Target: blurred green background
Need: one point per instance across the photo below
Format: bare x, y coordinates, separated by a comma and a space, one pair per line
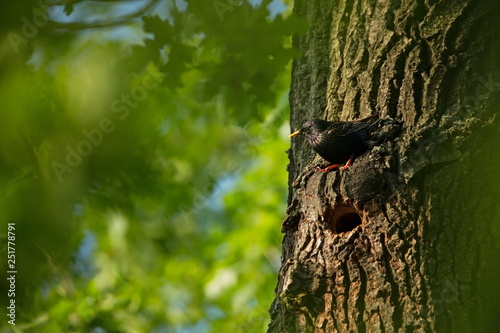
143, 162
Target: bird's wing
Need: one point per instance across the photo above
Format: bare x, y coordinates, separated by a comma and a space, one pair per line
343, 128
366, 119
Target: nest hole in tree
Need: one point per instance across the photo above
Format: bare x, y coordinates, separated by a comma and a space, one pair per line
344, 219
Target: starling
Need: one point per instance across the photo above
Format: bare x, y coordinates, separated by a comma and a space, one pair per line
338, 142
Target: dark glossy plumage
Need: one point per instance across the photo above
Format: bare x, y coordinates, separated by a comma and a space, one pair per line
337, 141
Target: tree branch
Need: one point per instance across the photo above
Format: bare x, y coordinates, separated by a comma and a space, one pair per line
54, 25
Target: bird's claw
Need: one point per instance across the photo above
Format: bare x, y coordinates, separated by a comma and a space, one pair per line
327, 168
347, 165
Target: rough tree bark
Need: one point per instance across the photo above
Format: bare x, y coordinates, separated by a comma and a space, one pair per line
407, 239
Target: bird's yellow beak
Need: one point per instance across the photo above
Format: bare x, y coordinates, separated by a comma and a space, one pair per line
294, 133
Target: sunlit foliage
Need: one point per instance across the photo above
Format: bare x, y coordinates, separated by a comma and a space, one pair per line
143, 163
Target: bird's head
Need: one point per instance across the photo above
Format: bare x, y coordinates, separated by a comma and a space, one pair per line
311, 128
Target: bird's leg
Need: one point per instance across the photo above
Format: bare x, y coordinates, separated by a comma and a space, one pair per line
348, 164
328, 168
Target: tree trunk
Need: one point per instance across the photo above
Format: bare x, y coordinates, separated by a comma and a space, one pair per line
408, 238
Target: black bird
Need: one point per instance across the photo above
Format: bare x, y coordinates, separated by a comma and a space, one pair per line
338, 142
